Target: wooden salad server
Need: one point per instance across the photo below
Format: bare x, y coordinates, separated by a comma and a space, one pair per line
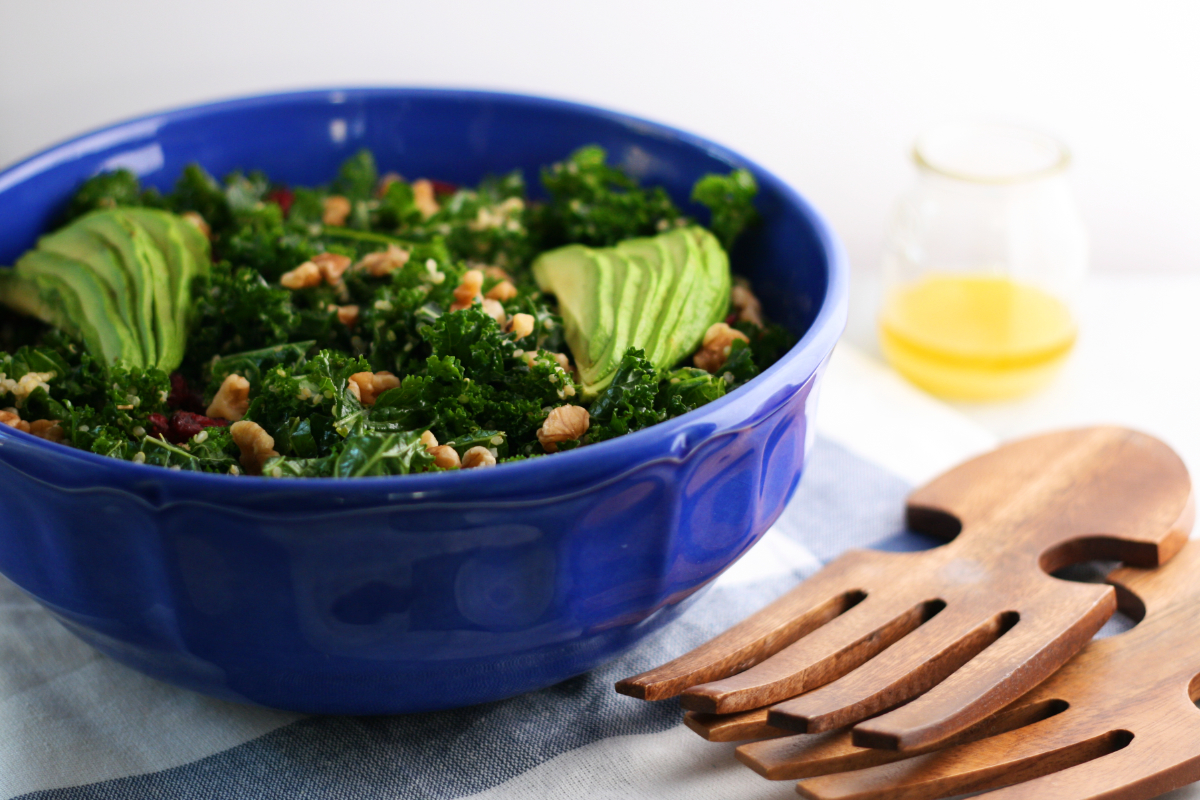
928, 644
1119, 721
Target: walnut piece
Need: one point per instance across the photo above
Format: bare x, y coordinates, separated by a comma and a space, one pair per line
424, 199
231, 400
714, 350
467, 290
498, 273
347, 315
522, 325
304, 276
337, 208
446, 457
256, 445
367, 386
563, 424
13, 420
502, 291
383, 262
332, 265
494, 310
47, 429
745, 303
478, 457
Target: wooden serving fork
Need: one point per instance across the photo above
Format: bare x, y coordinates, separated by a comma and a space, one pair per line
1119, 721
929, 644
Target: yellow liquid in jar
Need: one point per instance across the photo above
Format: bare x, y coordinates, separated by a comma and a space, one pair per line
975, 337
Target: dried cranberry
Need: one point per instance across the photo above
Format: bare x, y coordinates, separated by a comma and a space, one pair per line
282, 197
158, 426
732, 318
441, 188
184, 397
185, 425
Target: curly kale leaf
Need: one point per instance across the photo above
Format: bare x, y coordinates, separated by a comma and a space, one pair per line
109, 190
237, 310
769, 342
730, 199
251, 364
475, 339
597, 204
106, 410
740, 366
357, 176
628, 402
687, 388
397, 208
198, 191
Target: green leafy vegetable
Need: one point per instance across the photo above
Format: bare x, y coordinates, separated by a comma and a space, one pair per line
730, 198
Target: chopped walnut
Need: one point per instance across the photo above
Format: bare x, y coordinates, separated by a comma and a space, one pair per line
563, 361
429, 440
347, 315
494, 310
563, 424
332, 265
232, 399
446, 456
745, 303
502, 291
385, 183
467, 290
383, 262
48, 429
478, 457
498, 273
13, 420
256, 445
198, 221
424, 199
522, 325
337, 208
304, 276
714, 350
368, 386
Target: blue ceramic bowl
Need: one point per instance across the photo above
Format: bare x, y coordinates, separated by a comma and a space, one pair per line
383, 595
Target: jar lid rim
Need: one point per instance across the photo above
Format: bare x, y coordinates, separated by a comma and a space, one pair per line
990, 153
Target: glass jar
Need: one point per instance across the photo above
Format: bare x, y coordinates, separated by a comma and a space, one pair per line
983, 260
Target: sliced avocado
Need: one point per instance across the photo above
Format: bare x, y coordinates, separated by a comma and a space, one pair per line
645, 317
675, 250
709, 298
169, 336
108, 231
581, 293
35, 297
165, 231
101, 327
78, 244
625, 300
657, 294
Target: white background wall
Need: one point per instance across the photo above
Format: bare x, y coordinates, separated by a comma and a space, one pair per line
827, 94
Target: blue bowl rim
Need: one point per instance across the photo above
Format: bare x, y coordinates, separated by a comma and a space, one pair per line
804, 358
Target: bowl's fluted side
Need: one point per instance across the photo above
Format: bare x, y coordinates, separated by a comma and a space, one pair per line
419, 592
397, 607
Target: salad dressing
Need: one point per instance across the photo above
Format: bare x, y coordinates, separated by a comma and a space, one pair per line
975, 337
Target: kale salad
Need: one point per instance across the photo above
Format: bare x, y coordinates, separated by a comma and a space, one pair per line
376, 326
